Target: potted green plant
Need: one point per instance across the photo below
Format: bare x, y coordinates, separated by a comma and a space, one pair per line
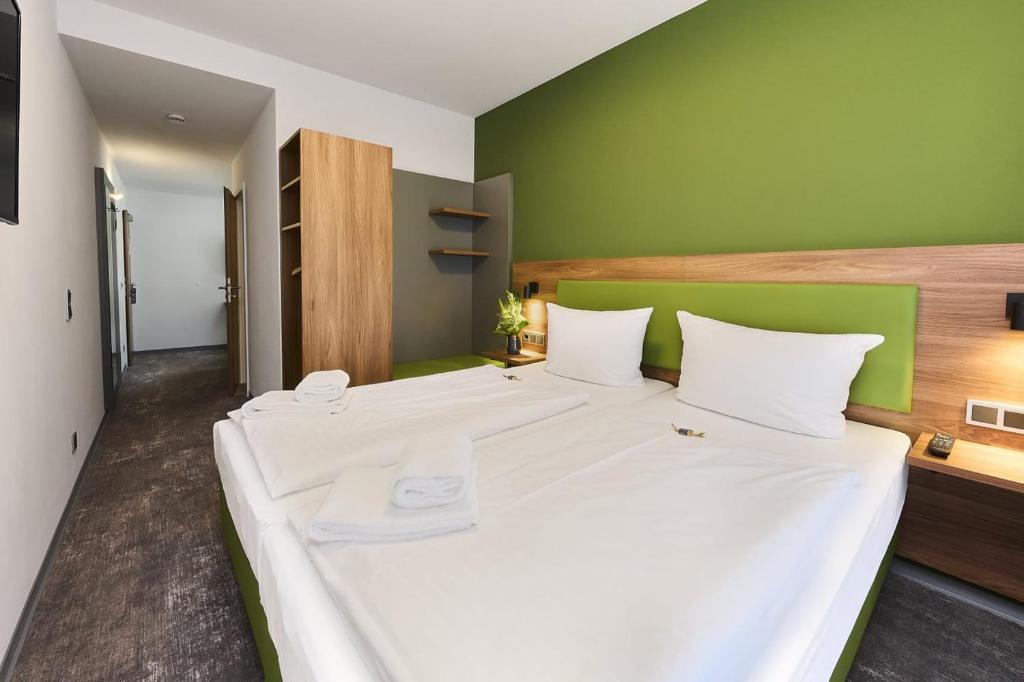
510, 321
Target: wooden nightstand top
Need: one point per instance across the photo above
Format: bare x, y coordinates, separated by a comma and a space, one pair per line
1000, 467
528, 357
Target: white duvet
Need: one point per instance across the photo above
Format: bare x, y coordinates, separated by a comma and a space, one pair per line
618, 551
296, 453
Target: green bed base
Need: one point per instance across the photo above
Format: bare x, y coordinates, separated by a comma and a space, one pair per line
886, 380
268, 653
860, 626
250, 590
419, 368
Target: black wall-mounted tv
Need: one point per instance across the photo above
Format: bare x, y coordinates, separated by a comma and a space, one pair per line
10, 94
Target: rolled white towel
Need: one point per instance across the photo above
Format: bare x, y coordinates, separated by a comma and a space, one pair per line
322, 387
282, 404
358, 509
435, 469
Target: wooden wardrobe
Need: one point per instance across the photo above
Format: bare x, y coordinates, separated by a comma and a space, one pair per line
336, 257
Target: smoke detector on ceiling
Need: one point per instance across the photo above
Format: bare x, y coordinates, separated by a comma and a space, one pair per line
176, 119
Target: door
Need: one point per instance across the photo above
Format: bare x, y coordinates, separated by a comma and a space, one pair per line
113, 291
109, 295
231, 288
129, 290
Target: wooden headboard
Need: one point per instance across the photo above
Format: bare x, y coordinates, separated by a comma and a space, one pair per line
965, 348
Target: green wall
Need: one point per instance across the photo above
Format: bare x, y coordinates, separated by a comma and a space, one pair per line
751, 125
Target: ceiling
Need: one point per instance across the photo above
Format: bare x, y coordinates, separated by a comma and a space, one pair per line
468, 56
131, 96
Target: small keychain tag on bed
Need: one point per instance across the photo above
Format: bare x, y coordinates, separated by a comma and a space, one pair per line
511, 377
687, 432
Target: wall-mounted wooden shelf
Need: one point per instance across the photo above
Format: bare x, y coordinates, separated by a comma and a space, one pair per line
469, 213
290, 227
458, 252
297, 271
526, 357
291, 183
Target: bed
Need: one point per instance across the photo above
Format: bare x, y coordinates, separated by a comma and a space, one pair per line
252, 520
319, 630
253, 510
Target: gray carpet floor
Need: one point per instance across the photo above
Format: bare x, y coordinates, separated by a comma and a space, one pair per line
919, 633
142, 587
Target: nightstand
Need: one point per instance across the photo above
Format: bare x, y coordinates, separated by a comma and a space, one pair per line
528, 357
965, 515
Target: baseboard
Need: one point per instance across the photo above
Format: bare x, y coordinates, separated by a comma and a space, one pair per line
216, 346
960, 590
21, 629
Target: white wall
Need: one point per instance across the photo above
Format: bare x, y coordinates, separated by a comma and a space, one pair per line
51, 369
425, 138
177, 265
256, 168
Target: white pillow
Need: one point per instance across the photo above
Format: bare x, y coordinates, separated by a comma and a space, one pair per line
786, 380
601, 347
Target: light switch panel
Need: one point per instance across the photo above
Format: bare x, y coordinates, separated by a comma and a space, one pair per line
993, 415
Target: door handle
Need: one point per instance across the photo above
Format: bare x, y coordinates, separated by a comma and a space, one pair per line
230, 292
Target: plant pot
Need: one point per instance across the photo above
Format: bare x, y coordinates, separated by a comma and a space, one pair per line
513, 346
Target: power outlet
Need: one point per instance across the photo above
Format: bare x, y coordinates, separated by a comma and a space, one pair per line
74, 442
535, 338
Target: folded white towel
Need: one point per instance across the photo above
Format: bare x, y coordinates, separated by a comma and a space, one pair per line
322, 387
436, 469
358, 509
283, 404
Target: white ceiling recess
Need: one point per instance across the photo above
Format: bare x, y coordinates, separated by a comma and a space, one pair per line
467, 56
131, 96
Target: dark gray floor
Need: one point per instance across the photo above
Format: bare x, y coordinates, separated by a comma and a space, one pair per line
142, 587
920, 633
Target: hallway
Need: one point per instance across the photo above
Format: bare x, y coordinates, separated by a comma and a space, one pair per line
142, 587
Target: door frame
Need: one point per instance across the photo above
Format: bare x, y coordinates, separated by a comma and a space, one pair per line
241, 199
104, 188
126, 225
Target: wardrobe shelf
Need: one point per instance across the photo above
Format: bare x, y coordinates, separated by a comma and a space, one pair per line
468, 213
332, 222
458, 252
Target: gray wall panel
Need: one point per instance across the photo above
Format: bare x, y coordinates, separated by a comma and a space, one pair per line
433, 309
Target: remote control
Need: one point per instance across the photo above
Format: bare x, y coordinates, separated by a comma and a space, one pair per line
941, 445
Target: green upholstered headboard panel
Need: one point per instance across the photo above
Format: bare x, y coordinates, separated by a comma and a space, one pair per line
887, 378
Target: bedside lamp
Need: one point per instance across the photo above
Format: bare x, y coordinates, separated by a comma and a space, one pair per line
1015, 311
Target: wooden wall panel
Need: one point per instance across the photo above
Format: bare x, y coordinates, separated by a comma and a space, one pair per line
346, 256
965, 348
